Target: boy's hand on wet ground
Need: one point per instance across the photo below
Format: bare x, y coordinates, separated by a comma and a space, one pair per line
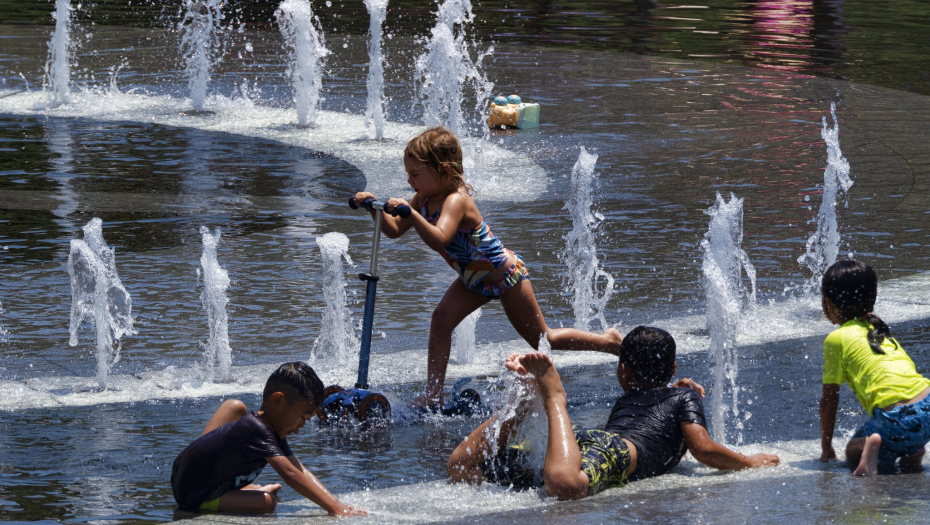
763, 460
349, 510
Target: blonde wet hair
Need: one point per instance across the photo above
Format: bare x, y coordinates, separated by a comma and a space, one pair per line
437, 148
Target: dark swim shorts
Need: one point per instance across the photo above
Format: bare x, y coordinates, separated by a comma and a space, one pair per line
605, 458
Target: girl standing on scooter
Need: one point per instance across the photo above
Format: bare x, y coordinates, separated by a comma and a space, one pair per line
445, 216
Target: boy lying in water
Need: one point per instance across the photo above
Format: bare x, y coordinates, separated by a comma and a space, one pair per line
649, 429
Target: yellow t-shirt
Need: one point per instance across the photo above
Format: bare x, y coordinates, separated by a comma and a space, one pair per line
877, 380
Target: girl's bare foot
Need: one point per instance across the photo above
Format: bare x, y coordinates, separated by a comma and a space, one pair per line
868, 464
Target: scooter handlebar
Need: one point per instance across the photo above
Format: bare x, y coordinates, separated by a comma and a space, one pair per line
370, 204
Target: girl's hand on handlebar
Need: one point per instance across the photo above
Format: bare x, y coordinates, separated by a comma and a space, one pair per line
392, 204
362, 196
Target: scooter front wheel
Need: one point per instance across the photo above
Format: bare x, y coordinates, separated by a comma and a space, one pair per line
374, 410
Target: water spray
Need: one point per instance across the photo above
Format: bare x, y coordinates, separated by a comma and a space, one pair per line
98, 295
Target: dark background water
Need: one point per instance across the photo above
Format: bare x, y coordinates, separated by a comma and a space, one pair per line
885, 43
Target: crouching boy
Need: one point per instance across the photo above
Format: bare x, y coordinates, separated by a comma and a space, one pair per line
648, 431
215, 472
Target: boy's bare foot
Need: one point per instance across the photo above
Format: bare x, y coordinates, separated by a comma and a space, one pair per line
868, 464
614, 338
547, 378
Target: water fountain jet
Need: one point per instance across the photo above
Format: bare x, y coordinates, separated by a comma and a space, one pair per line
58, 66
98, 295
446, 66
217, 356
200, 30
580, 252
374, 113
337, 342
723, 264
824, 244
306, 49
463, 338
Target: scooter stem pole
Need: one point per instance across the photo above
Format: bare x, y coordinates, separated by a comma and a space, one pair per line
376, 243
371, 292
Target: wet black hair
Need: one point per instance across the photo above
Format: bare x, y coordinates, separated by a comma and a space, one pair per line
853, 287
297, 381
650, 353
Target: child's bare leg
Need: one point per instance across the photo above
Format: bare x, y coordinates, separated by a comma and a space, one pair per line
867, 449
562, 472
476, 448
231, 410
913, 460
251, 499
523, 311
455, 306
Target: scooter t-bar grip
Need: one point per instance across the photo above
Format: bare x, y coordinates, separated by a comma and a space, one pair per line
370, 204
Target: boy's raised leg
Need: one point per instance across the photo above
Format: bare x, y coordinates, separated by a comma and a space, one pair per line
562, 472
476, 448
868, 454
231, 410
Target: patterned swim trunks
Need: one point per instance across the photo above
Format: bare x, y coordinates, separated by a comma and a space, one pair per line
905, 430
605, 458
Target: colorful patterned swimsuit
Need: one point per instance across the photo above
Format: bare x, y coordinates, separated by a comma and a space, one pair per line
476, 253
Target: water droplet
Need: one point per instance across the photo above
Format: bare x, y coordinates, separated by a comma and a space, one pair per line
328, 3
344, 46
807, 198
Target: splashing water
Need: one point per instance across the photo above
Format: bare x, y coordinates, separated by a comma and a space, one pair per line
580, 252
824, 244
306, 49
337, 342
520, 399
4, 334
724, 260
200, 30
544, 347
58, 66
446, 66
463, 338
98, 295
217, 355
374, 114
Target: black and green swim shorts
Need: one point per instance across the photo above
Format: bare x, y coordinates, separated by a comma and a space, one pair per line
605, 458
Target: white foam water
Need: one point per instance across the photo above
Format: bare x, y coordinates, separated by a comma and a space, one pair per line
217, 355
580, 252
98, 295
723, 263
58, 66
306, 51
201, 28
336, 134
899, 300
463, 338
374, 113
337, 343
824, 244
